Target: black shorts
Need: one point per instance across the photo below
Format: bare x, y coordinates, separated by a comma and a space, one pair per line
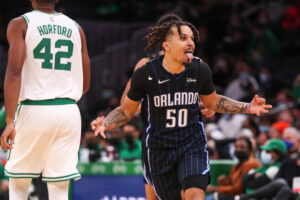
171, 170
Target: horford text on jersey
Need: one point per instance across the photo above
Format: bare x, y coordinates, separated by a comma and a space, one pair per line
54, 29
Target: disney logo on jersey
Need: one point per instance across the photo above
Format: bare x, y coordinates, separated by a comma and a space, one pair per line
189, 80
161, 82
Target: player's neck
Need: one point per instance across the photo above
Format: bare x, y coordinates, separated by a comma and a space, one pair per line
45, 8
172, 65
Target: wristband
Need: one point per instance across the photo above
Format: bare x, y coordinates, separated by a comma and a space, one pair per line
249, 107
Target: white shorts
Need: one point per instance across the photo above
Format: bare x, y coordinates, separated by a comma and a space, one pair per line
47, 142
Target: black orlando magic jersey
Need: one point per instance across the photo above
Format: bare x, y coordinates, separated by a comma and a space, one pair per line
173, 108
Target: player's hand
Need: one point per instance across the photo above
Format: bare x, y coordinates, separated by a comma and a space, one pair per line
258, 106
7, 139
97, 126
206, 112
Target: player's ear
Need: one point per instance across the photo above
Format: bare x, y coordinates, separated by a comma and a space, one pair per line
165, 45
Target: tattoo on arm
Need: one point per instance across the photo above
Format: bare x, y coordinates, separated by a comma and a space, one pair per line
227, 105
115, 118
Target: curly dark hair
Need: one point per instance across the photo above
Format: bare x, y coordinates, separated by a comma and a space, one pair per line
168, 18
158, 34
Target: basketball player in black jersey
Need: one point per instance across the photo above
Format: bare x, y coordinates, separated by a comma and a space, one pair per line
150, 194
172, 85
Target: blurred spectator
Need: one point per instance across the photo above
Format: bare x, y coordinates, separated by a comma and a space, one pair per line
245, 86
214, 148
107, 93
275, 10
296, 87
223, 71
265, 80
292, 135
231, 185
292, 17
272, 155
249, 123
235, 41
282, 187
262, 138
89, 148
95, 149
285, 115
284, 97
263, 127
246, 132
277, 128
131, 146
230, 125
212, 131
263, 18
263, 43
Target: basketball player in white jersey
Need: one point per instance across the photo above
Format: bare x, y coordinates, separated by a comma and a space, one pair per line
48, 71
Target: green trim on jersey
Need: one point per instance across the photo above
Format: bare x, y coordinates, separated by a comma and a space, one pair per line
58, 177
9, 176
26, 19
76, 178
61, 178
21, 175
48, 102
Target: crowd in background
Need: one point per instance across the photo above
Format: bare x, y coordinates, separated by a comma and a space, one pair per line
249, 48
252, 47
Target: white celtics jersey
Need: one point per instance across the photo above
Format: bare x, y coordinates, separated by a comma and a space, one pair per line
53, 62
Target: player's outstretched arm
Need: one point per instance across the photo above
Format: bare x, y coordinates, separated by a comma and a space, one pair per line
115, 118
12, 84
224, 104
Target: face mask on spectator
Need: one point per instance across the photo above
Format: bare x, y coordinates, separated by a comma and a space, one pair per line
244, 75
129, 138
241, 155
264, 128
266, 158
263, 77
